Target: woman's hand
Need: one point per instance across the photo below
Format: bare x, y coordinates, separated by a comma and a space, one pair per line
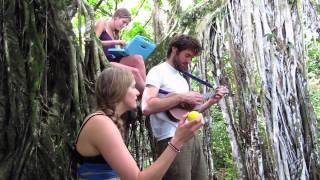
186, 130
122, 43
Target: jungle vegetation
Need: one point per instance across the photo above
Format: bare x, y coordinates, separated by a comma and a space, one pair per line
266, 52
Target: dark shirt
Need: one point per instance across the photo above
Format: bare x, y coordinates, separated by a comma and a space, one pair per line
106, 37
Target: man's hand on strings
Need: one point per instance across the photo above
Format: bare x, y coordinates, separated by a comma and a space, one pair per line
192, 98
221, 91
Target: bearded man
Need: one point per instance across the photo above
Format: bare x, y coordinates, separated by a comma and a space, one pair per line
190, 163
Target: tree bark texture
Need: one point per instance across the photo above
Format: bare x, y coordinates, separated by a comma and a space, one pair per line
47, 88
269, 117
44, 88
216, 48
266, 47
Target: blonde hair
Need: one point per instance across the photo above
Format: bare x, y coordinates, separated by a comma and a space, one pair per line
120, 13
111, 87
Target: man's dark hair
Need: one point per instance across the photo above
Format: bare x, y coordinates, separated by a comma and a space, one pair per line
183, 42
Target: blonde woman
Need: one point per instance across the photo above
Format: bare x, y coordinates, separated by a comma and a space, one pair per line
101, 151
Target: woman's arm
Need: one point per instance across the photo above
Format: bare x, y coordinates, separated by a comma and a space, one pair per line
99, 28
106, 138
122, 43
184, 132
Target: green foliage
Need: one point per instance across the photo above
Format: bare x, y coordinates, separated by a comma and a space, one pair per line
223, 162
316, 3
315, 98
313, 52
76, 23
141, 6
291, 2
106, 8
313, 65
136, 29
271, 37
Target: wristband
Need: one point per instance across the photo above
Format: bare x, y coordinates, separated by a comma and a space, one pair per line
175, 149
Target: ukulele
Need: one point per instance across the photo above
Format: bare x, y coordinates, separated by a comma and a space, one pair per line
180, 111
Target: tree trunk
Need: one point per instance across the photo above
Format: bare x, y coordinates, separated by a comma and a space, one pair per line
270, 120
214, 46
43, 90
157, 23
269, 68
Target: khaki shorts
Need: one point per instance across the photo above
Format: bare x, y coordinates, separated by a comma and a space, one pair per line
189, 164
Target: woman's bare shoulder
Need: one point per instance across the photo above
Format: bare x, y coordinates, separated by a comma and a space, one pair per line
101, 22
101, 119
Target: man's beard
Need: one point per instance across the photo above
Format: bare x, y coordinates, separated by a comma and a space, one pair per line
178, 65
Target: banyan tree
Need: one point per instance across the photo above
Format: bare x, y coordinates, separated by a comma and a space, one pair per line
256, 48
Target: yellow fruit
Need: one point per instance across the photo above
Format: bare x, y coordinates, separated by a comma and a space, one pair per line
192, 115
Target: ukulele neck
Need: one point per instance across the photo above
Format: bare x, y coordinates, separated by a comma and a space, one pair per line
208, 95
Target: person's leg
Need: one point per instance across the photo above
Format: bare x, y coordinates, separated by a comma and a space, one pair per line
199, 162
136, 61
138, 69
180, 168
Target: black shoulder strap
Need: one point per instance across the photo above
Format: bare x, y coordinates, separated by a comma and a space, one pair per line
185, 73
85, 122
